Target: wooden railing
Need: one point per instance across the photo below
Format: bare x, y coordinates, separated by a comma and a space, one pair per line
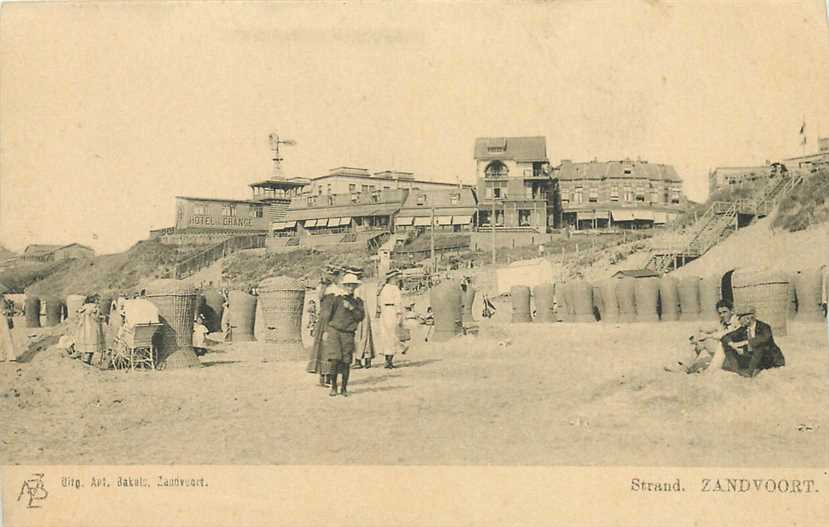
719, 220
204, 258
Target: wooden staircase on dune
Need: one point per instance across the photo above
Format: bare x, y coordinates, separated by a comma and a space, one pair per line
720, 220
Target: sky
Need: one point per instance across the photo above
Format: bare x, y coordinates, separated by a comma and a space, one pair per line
109, 111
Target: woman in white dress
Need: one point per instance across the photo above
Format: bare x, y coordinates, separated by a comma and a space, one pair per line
390, 313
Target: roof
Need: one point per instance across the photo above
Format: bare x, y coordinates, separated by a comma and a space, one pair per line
598, 170
276, 183
221, 200
516, 148
380, 209
368, 176
636, 273
37, 248
76, 245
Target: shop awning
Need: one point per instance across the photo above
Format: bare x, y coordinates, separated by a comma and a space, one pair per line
643, 215
622, 215
333, 222
289, 224
277, 225
444, 220
660, 217
345, 221
585, 215
421, 222
323, 222
403, 220
310, 223
461, 220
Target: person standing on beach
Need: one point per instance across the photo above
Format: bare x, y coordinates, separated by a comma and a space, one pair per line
91, 343
330, 290
390, 313
365, 337
338, 340
7, 351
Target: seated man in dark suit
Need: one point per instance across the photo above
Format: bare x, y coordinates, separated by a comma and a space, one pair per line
751, 347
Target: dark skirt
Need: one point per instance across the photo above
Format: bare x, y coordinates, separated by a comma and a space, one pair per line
338, 346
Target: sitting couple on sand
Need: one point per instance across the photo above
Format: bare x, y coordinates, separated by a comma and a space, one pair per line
740, 344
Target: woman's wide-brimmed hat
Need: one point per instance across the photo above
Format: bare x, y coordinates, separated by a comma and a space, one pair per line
350, 278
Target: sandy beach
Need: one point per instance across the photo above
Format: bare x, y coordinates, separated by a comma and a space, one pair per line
558, 394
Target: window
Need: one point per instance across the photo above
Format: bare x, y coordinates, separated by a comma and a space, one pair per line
386, 188
199, 209
496, 191
311, 200
614, 193
628, 194
524, 217
365, 188
375, 197
628, 171
352, 187
256, 211
229, 210
372, 188
495, 149
675, 194
320, 190
354, 198
330, 200
496, 169
454, 199
579, 197
640, 198
421, 199
328, 190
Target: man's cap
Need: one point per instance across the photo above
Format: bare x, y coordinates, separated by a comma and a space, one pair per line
350, 278
745, 309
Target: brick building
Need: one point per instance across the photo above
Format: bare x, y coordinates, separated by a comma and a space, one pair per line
513, 181
348, 180
622, 194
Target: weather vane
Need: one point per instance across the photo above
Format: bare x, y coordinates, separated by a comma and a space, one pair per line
277, 159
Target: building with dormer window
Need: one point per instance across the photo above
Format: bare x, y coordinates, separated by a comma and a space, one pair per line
515, 188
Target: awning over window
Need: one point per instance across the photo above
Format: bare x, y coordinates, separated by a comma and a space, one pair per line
277, 225
404, 220
310, 223
345, 221
289, 224
643, 215
622, 215
421, 222
660, 217
585, 215
444, 220
461, 220
333, 222
323, 222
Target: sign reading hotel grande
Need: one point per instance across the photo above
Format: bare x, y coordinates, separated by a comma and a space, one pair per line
220, 221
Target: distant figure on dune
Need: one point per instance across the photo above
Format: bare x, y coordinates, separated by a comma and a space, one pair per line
751, 348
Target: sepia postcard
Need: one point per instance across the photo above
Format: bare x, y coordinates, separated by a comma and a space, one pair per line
277, 263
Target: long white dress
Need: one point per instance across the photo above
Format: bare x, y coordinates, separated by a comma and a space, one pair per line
391, 310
